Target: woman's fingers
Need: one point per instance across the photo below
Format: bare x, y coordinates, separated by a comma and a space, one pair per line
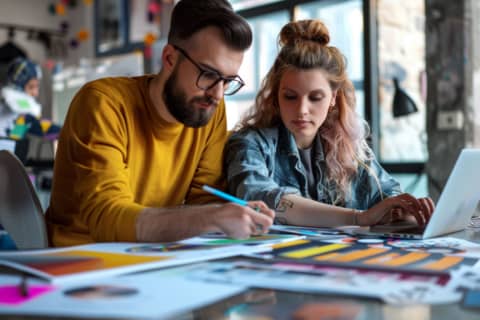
429, 207
411, 205
428, 202
397, 215
421, 208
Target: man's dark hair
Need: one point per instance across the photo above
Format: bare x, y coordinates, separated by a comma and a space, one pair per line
190, 16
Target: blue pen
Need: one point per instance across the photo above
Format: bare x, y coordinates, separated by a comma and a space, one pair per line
224, 195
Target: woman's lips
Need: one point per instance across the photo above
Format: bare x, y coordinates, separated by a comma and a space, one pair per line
300, 123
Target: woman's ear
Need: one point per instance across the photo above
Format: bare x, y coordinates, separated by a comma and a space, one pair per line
334, 98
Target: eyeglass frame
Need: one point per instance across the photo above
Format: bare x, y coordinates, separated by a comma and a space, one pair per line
220, 77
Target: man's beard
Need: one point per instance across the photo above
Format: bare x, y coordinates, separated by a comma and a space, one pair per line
185, 111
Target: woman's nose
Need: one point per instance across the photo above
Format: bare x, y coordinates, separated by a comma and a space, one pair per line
303, 106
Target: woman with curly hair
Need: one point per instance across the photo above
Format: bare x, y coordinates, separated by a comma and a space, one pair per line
302, 148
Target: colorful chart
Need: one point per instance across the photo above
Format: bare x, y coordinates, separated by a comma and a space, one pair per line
365, 256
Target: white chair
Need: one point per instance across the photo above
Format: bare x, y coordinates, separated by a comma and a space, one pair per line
21, 213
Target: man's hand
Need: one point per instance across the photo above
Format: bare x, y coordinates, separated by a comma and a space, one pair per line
241, 222
173, 224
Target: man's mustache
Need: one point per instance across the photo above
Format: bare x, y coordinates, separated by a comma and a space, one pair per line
205, 100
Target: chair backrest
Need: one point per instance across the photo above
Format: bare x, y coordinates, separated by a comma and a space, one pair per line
21, 213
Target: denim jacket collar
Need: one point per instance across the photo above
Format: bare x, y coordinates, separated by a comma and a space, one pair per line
287, 144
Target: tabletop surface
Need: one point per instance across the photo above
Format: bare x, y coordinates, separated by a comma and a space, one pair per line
277, 304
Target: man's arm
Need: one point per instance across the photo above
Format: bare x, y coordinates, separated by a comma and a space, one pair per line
171, 224
97, 189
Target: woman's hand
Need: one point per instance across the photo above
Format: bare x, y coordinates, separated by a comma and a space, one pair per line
398, 208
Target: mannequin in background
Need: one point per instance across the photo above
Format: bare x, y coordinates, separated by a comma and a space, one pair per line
24, 75
19, 111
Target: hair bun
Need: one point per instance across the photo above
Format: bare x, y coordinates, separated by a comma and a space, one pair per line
304, 30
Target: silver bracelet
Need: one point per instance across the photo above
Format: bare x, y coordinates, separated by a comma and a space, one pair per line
355, 212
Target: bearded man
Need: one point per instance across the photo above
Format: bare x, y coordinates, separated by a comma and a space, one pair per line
134, 153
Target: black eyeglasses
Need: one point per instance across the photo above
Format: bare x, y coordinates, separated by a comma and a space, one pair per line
208, 79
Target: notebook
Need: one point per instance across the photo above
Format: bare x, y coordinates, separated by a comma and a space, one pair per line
458, 202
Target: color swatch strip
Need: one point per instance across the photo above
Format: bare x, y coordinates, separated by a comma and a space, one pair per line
359, 254
407, 259
312, 251
443, 264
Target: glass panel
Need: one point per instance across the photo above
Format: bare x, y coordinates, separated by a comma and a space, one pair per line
345, 24
109, 23
401, 44
235, 110
256, 63
415, 184
245, 4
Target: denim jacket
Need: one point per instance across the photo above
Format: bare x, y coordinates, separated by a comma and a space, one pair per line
264, 164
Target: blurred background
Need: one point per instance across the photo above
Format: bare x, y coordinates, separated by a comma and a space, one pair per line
414, 65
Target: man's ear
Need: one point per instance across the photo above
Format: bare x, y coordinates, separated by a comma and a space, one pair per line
169, 57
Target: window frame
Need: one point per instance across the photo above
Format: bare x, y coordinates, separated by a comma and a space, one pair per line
124, 30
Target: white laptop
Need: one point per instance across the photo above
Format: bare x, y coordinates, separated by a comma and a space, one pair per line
455, 207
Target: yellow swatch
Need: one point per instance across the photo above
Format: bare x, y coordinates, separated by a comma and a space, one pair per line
360, 254
308, 252
382, 259
406, 259
444, 263
329, 256
289, 244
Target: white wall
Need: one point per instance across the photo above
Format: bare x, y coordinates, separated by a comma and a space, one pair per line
34, 13
81, 18
29, 13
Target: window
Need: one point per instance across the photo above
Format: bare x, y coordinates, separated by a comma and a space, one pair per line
401, 56
354, 25
110, 25
121, 25
257, 62
344, 20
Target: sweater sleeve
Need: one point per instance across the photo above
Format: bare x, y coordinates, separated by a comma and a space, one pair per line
96, 133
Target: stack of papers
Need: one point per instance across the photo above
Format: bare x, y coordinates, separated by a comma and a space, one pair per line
108, 259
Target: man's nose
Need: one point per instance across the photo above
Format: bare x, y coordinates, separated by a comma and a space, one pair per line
216, 92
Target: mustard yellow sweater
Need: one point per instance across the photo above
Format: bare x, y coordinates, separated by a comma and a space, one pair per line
116, 156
